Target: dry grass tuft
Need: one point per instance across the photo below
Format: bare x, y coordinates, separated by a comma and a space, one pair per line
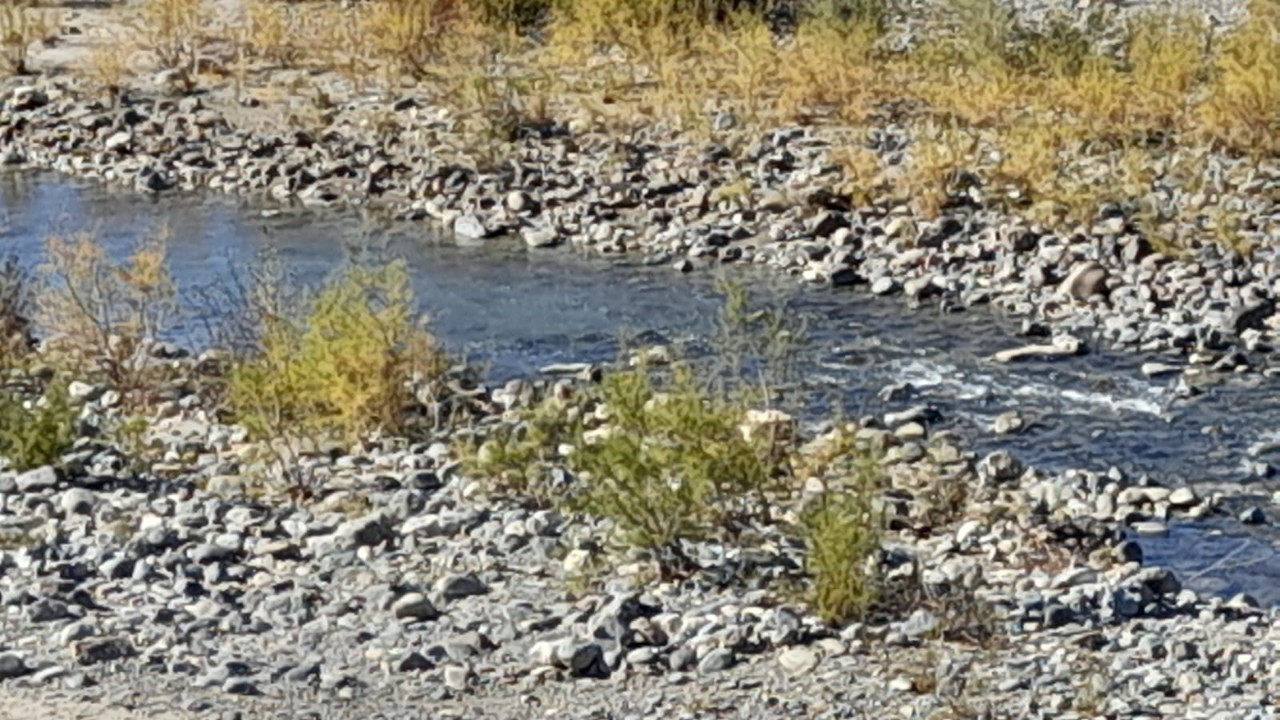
22, 23
1242, 110
172, 32
103, 313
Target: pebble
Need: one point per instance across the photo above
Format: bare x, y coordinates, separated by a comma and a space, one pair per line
1007, 423
13, 666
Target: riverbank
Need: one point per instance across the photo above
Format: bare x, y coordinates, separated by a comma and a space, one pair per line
777, 195
169, 574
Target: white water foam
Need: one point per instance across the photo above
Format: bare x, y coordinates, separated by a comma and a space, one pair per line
1136, 397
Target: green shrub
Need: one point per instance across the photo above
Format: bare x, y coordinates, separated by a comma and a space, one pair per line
670, 466
37, 435
756, 349
667, 456
15, 309
344, 364
841, 528
516, 457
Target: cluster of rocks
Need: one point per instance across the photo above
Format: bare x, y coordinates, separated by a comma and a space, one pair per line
180, 576
771, 198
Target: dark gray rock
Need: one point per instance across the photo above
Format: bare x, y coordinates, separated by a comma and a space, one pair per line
1253, 516
588, 661
103, 650
415, 662
13, 666
719, 659
457, 586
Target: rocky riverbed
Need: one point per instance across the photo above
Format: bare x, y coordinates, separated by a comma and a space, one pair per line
168, 578
174, 576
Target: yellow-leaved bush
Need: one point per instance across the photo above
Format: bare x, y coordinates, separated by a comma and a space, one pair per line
344, 365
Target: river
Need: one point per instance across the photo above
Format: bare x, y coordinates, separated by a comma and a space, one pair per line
513, 310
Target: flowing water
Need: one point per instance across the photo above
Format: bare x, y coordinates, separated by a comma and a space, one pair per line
515, 310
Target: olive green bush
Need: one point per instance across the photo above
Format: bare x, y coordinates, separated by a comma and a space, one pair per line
36, 432
15, 310
516, 458
842, 532
670, 465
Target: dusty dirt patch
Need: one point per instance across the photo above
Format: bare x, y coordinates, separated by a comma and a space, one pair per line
12, 708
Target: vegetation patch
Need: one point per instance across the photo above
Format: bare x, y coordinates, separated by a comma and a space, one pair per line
1054, 118
344, 363
22, 24
36, 431
672, 465
103, 316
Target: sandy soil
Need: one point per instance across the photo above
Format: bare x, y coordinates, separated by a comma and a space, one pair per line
17, 708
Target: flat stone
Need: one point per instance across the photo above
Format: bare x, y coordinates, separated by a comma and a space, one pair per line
1075, 576
470, 227
1149, 528
41, 478
1062, 346
1156, 369
1183, 497
240, 686
910, 431
118, 142
796, 661
541, 237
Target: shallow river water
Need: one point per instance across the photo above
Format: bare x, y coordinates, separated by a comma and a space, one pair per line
515, 310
